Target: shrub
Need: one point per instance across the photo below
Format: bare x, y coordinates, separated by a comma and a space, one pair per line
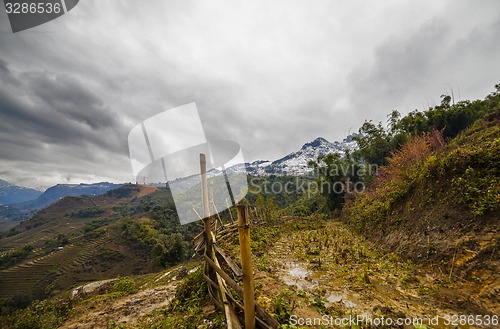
87, 212
125, 286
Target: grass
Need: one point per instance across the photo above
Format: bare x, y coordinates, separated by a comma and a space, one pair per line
187, 308
433, 186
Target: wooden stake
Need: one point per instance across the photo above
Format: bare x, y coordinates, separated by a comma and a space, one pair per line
246, 264
204, 194
222, 290
229, 209
199, 217
217, 213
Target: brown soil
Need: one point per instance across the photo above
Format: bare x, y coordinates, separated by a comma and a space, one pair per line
125, 311
146, 190
351, 276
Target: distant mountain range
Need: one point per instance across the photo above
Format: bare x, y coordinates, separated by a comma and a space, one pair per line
23, 210
59, 191
295, 163
18, 202
10, 193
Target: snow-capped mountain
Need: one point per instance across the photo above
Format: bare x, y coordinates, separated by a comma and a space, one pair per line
296, 163
10, 193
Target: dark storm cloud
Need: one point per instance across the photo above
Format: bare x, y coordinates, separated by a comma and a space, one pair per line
271, 76
53, 109
3, 68
52, 125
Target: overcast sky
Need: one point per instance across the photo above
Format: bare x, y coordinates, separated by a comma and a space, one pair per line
270, 75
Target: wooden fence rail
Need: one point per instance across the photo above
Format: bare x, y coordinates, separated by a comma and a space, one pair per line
222, 286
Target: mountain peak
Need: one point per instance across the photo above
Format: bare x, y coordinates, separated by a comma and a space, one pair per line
10, 193
315, 143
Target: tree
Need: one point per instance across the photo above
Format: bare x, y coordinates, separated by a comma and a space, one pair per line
374, 143
336, 176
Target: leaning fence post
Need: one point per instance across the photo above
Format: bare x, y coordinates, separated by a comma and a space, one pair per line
246, 264
206, 209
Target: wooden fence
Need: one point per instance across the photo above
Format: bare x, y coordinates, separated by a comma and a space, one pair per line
223, 287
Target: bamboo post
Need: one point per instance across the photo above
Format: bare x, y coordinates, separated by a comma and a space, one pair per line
246, 264
206, 209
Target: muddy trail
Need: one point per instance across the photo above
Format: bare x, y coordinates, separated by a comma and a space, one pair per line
105, 311
334, 272
323, 272
125, 311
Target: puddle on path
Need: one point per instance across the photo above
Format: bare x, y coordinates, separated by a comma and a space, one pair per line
296, 274
334, 298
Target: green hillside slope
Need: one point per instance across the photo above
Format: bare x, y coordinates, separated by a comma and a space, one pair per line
439, 204
127, 231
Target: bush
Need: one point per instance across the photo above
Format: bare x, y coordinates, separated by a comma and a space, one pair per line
125, 286
87, 212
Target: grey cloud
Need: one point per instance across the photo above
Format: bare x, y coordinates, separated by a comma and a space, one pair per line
70, 99
269, 76
54, 109
400, 64
411, 71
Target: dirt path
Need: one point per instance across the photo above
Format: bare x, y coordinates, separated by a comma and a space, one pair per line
338, 273
126, 310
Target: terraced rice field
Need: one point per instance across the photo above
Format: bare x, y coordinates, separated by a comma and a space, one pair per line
31, 277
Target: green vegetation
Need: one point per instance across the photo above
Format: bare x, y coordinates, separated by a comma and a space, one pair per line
337, 176
397, 147
124, 191
160, 233
465, 172
53, 312
15, 256
50, 313
284, 304
87, 212
376, 143
124, 286
271, 190
186, 309
167, 241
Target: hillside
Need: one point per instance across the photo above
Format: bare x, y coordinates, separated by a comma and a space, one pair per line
304, 267
83, 238
11, 214
438, 206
